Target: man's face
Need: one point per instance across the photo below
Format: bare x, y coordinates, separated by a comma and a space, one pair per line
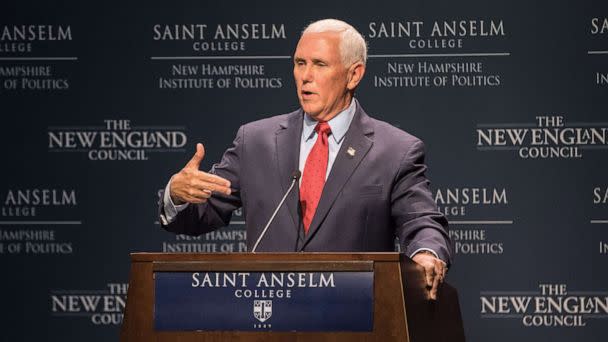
321, 78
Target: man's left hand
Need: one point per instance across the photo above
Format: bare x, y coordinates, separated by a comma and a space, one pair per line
434, 271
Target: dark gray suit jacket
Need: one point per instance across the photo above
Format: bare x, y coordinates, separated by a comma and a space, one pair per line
369, 198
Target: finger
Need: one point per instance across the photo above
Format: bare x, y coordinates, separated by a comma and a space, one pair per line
194, 194
215, 183
435, 287
438, 279
211, 187
211, 178
194, 200
429, 274
439, 271
195, 162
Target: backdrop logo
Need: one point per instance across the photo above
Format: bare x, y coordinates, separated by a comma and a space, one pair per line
600, 200
209, 76
600, 195
32, 43
416, 67
454, 201
235, 56
26, 202
35, 33
20, 38
117, 140
551, 138
32, 242
601, 78
218, 38
446, 34
102, 307
224, 240
27, 214
599, 31
599, 26
463, 207
228, 239
550, 306
31, 77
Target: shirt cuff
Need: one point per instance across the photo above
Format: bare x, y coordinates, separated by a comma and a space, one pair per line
424, 249
170, 209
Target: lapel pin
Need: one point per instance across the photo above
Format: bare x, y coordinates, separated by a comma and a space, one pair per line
351, 151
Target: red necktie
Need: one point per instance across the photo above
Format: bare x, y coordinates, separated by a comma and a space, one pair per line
313, 178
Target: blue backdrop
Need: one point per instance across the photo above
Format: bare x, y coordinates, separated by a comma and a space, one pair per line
101, 103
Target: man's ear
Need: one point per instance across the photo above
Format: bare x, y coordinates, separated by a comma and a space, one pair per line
355, 74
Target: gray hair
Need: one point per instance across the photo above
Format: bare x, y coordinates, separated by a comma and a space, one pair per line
353, 48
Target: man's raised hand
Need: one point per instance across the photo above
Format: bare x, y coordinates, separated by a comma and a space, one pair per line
190, 185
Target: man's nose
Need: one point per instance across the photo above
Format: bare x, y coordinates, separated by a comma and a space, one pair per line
307, 74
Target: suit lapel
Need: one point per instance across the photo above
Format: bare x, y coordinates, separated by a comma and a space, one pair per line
357, 139
288, 151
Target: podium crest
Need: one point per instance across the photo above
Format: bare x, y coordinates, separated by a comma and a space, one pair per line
262, 310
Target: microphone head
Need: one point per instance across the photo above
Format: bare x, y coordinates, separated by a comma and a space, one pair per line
296, 174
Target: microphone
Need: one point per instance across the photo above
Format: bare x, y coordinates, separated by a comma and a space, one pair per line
294, 179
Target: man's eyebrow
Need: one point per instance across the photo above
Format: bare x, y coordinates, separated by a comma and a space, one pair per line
314, 60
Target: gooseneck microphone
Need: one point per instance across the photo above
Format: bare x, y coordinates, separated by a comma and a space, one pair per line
295, 176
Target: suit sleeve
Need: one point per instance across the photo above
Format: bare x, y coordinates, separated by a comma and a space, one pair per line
419, 224
199, 219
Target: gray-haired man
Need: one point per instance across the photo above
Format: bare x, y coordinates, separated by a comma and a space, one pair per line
363, 181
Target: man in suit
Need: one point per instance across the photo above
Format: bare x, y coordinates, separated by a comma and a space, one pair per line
363, 181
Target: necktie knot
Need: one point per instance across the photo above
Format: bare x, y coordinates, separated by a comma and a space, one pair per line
322, 128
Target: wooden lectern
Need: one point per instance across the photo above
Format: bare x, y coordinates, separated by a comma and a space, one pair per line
401, 310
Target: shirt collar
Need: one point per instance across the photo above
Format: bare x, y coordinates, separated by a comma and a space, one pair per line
339, 124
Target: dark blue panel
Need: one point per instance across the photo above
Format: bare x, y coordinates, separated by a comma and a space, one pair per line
311, 301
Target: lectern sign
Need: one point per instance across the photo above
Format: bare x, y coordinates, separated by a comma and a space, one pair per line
279, 301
